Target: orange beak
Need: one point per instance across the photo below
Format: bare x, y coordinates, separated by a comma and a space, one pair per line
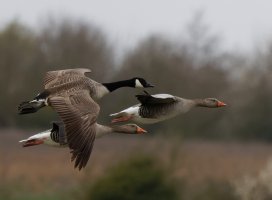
221, 104
32, 142
140, 130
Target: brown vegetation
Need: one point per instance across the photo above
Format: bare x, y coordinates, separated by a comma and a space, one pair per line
46, 168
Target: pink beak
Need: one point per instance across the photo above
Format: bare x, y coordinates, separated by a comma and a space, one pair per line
140, 130
221, 104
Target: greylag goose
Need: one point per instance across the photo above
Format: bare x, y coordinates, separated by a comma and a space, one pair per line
159, 107
70, 81
56, 136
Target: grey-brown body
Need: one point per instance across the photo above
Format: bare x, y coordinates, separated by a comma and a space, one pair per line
65, 82
71, 81
160, 112
160, 107
56, 136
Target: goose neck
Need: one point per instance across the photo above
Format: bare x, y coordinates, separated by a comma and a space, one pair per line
103, 130
199, 103
115, 85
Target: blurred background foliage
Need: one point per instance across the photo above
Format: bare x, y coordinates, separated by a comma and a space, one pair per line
139, 177
191, 66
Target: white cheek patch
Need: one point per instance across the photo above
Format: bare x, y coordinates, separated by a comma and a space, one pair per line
138, 84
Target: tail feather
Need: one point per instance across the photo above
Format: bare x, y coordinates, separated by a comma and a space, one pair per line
30, 106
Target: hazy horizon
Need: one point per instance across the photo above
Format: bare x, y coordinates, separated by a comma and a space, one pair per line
240, 24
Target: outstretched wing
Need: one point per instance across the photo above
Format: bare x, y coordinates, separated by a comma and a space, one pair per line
147, 99
55, 78
78, 113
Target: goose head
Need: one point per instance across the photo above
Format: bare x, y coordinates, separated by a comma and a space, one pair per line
141, 83
212, 103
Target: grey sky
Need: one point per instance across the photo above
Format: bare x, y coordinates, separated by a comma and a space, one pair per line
240, 23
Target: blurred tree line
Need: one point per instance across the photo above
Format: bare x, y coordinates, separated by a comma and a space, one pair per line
190, 66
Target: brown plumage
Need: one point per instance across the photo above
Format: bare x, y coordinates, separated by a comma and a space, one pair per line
69, 81
65, 82
78, 113
56, 78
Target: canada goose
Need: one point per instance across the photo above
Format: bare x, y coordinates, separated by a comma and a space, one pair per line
56, 136
70, 81
159, 107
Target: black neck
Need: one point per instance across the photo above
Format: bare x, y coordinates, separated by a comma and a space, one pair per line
115, 85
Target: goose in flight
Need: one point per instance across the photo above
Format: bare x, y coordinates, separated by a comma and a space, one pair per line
56, 136
159, 107
70, 81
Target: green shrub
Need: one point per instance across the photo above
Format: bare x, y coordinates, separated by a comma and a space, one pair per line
137, 178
